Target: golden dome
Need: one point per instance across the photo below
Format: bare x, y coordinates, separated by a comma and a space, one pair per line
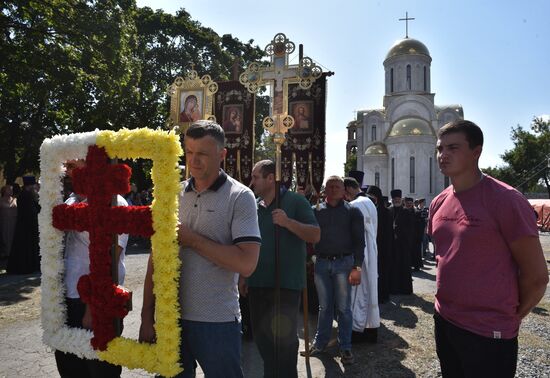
376, 149
408, 46
410, 126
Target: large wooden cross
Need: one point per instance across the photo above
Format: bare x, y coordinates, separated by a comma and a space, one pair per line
98, 181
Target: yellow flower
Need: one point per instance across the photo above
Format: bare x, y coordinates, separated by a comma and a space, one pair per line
164, 149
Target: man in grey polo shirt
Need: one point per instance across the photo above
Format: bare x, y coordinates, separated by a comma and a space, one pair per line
219, 239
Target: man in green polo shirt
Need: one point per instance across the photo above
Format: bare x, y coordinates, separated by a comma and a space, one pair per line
297, 226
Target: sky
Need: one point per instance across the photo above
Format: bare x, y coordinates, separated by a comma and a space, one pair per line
492, 57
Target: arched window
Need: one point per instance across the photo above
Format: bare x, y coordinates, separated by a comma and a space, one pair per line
353, 150
392, 173
425, 80
373, 133
354, 134
412, 175
391, 80
377, 179
409, 77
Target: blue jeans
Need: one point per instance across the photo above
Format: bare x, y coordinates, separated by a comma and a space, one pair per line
334, 291
215, 346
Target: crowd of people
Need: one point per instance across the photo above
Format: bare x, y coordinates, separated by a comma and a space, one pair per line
250, 245
19, 210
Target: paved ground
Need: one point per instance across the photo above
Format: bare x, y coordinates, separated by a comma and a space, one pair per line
22, 353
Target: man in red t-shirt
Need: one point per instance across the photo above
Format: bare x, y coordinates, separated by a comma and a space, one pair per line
491, 269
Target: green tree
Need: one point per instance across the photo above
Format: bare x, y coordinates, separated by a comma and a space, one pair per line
76, 65
528, 160
67, 66
167, 46
351, 162
503, 173
265, 149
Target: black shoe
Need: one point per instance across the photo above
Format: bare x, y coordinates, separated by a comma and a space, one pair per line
369, 335
347, 357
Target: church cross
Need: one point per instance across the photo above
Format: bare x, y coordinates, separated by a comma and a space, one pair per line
406, 19
276, 74
98, 182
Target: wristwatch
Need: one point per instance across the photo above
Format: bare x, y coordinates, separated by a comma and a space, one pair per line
357, 268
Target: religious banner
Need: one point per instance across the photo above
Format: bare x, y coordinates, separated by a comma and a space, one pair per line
234, 110
191, 100
304, 147
297, 119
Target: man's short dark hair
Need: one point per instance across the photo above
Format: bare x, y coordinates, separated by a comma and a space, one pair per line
267, 167
471, 131
203, 127
334, 178
350, 182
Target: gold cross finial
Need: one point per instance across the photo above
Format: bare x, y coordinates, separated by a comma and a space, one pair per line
406, 19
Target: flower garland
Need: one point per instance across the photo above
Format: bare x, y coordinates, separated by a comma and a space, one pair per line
98, 182
164, 149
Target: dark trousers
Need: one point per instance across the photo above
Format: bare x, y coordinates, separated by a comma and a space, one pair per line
464, 354
68, 364
262, 315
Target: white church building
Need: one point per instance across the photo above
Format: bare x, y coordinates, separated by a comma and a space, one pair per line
395, 145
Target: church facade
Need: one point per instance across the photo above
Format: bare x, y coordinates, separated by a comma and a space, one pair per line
395, 145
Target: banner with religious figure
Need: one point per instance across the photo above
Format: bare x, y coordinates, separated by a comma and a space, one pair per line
297, 119
234, 110
190, 99
304, 147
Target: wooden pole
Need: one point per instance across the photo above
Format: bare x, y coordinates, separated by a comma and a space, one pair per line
306, 320
277, 259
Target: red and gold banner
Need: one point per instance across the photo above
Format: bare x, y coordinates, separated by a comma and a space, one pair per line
234, 111
305, 141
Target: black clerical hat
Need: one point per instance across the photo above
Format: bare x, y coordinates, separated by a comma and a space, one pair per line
396, 193
358, 175
374, 191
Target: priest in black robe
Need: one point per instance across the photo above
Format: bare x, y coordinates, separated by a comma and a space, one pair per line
418, 232
403, 231
384, 240
24, 257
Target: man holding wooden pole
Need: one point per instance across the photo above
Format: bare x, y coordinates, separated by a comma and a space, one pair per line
297, 225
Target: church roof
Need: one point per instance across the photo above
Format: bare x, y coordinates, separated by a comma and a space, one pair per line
410, 126
408, 46
456, 107
376, 149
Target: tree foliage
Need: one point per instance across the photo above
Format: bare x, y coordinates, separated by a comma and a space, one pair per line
75, 65
351, 162
527, 163
66, 66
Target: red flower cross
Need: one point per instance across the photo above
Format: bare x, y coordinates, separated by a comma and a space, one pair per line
98, 182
